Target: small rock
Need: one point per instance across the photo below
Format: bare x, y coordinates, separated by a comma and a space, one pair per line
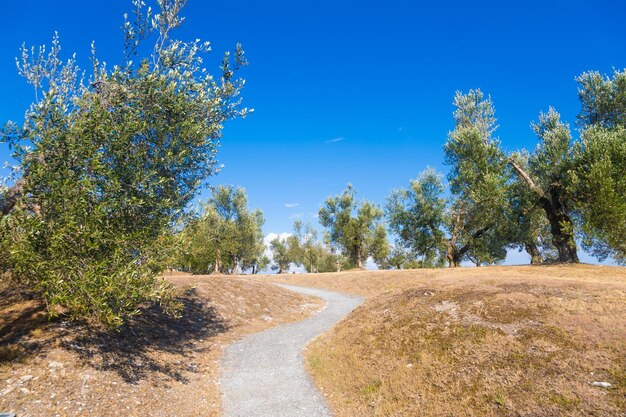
410, 365
26, 378
55, 364
601, 384
25, 391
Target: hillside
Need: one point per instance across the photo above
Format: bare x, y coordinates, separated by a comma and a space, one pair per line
154, 366
475, 341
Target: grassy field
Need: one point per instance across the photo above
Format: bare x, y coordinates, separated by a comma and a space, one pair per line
155, 366
475, 341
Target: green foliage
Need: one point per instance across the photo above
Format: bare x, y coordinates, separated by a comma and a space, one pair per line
307, 251
399, 258
416, 216
600, 164
574, 182
110, 164
552, 161
527, 225
282, 253
477, 181
354, 227
603, 99
225, 237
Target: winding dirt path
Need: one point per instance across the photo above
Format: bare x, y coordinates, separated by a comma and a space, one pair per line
264, 375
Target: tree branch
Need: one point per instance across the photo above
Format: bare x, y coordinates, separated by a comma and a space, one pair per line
529, 181
8, 201
477, 234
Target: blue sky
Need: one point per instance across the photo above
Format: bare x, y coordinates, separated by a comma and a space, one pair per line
347, 91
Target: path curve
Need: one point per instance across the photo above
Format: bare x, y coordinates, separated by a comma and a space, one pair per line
263, 374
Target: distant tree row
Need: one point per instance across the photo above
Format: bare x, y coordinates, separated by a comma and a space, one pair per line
567, 191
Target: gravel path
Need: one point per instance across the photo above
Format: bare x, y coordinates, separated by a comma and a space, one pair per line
263, 374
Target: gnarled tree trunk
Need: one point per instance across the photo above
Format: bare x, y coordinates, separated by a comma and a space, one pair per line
533, 251
453, 255
218, 262
561, 224
359, 257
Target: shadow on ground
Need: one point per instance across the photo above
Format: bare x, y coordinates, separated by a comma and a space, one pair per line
150, 345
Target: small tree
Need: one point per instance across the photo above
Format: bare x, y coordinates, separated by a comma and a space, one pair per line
109, 165
397, 258
307, 251
282, 253
225, 237
355, 228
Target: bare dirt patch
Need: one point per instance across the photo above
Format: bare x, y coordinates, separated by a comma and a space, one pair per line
483, 341
154, 365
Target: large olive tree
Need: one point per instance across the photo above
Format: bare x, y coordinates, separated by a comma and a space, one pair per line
108, 163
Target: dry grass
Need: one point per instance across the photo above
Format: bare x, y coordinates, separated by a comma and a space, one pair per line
154, 366
482, 341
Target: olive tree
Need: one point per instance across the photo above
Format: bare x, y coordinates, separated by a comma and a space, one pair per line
108, 164
480, 169
283, 253
435, 228
477, 182
578, 183
225, 237
600, 163
354, 227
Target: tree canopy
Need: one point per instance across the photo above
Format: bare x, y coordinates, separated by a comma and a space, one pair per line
110, 162
354, 227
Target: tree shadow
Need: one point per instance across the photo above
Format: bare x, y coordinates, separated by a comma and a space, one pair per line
151, 344
22, 320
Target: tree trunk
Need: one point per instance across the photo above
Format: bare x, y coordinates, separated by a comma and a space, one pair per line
236, 267
359, 258
561, 227
218, 262
453, 255
533, 251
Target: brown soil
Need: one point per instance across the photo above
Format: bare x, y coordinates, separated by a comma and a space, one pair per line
506, 341
154, 366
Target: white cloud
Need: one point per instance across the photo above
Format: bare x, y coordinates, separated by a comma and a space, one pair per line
315, 215
271, 236
335, 140
296, 216
291, 205
370, 264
